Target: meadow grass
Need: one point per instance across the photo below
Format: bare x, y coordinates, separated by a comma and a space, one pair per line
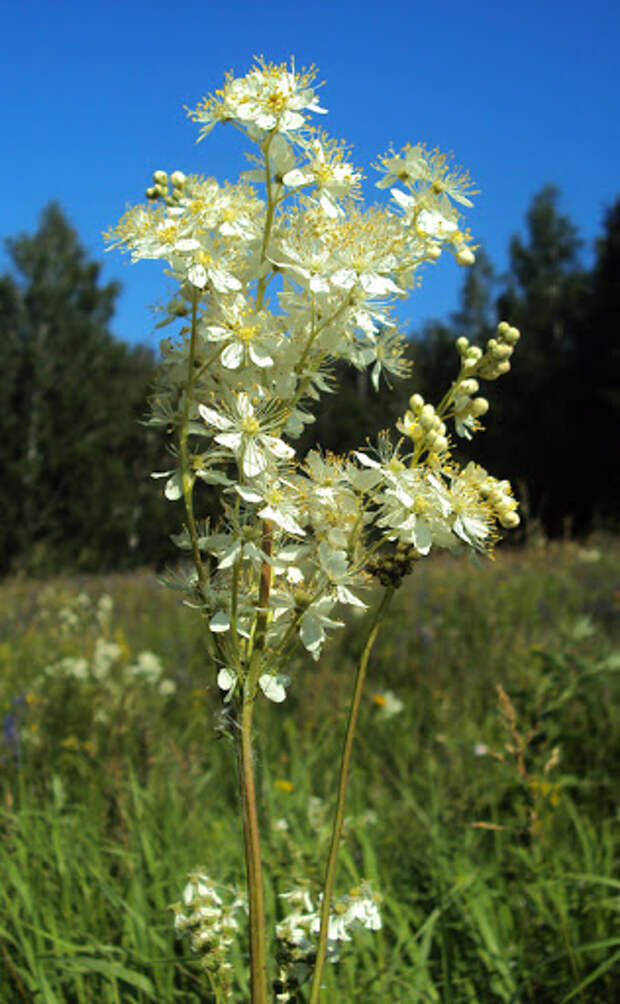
486, 817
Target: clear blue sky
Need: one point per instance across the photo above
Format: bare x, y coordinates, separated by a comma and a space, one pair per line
523, 93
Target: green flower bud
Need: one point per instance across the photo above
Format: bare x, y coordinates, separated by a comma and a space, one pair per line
427, 417
178, 179
416, 402
152, 193
469, 386
510, 520
512, 336
479, 406
502, 352
462, 344
160, 177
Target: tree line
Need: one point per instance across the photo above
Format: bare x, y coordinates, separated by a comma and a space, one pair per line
76, 454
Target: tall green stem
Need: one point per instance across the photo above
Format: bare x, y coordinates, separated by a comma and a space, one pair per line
251, 834
258, 947
345, 763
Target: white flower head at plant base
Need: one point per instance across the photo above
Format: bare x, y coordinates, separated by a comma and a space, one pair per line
281, 275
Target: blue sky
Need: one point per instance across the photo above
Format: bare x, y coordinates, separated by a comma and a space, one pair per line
524, 94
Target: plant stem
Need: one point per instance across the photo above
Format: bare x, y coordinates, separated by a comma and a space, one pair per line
258, 949
330, 871
187, 478
251, 835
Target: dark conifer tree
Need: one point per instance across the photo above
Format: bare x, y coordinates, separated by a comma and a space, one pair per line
547, 299
72, 397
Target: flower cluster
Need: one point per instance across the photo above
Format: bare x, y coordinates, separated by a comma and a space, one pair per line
280, 275
296, 934
211, 925
109, 686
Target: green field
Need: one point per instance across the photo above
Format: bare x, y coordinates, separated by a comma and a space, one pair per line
484, 810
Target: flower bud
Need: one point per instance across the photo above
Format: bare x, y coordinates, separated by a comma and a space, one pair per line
433, 252
502, 328
427, 417
160, 177
441, 444
510, 520
466, 257
502, 351
416, 402
152, 193
469, 386
479, 406
178, 179
462, 344
512, 336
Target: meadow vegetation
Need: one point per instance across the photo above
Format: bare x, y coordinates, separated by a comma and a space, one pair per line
483, 804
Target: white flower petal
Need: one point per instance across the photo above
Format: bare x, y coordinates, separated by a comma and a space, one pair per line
311, 632
226, 679
174, 488
365, 461
232, 356
346, 596
296, 177
213, 417
222, 281
231, 440
197, 275
219, 622
281, 519
244, 406
253, 460
270, 687
260, 358
187, 244
422, 537
248, 494
278, 447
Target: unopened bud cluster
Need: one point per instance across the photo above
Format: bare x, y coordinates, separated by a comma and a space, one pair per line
496, 360
501, 500
466, 406
390, 569
424, 427
160, 189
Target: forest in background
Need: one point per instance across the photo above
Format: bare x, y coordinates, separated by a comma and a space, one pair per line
76, 455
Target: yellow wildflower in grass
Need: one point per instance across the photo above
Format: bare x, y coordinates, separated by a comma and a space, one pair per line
284, 785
